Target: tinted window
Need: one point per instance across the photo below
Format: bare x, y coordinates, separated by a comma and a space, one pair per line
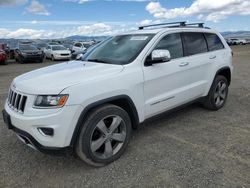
194, 43
173, 44
213, 42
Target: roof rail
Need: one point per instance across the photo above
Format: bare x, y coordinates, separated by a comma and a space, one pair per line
163, 24
175, 24
193, 24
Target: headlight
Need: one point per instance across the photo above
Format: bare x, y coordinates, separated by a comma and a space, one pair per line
50, 101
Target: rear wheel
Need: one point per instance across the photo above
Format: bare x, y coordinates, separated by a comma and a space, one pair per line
217, 95
104, 135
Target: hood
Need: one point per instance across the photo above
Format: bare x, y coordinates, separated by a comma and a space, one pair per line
53, 79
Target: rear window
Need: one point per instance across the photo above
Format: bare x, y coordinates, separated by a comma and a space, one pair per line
194, 43
213, 42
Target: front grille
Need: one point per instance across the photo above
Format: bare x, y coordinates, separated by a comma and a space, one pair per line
17, 101
64, 54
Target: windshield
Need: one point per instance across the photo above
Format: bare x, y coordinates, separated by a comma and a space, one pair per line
120, 50
27, 47
55, 48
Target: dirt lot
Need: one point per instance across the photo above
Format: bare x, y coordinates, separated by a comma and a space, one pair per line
189, 148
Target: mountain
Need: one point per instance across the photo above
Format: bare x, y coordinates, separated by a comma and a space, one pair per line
240, 34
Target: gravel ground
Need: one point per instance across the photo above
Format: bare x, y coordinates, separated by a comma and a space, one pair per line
193, 147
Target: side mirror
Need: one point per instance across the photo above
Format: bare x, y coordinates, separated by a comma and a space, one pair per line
161, 55
158, 56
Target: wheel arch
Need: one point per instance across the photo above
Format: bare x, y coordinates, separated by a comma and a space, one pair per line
226, 72
123, 101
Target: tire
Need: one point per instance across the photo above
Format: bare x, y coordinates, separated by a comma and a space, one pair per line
52, 58
108, 129
217, 95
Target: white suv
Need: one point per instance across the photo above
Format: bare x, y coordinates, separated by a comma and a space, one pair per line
90, 107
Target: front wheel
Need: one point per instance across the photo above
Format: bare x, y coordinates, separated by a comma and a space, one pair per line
104, 135
52, 58
217, 95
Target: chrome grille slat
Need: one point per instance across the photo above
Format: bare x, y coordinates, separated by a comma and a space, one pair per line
16, 101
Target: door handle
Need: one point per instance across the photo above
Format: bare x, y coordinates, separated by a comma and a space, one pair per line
212, 57
183, 64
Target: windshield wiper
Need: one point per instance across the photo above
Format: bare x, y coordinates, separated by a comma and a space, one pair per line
98, 61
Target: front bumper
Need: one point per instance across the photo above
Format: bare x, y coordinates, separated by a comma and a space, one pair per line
29, 140
33, 58
63, 123
60, 57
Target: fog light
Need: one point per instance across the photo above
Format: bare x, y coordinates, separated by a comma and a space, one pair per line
46, 131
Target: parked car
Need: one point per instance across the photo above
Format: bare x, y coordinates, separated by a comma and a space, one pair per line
4, 53
41, 46
57, 52
28, 53
235, 41
91, 107
78, 46
3, 57
68, 46
78, 54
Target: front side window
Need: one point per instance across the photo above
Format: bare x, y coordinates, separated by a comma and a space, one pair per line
213, 42
194, 43
173, 44
120, 50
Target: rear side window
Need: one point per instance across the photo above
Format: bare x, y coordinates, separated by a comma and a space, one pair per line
213, 42
173, 44
194, 43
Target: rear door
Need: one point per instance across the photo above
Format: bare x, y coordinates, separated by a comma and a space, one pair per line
196, 51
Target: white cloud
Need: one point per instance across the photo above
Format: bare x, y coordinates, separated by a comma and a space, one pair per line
212, 10
84, 1
97, 29
4, 3
36, 8
94, 29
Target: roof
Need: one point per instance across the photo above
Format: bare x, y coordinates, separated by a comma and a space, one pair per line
164, 29
172, 26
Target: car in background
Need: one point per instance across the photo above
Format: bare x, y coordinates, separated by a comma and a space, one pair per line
236, 41
28, 53
3, 57
78, 54
68, 46
57, 52
4, 53
78, 46
41, 46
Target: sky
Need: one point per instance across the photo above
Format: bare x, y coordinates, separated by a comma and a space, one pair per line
32, 19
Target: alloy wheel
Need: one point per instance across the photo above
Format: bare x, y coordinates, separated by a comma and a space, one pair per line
220, 93
108, 137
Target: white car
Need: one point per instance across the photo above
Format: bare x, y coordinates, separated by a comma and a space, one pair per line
90, 107
235, 41
78, 46
57, 52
